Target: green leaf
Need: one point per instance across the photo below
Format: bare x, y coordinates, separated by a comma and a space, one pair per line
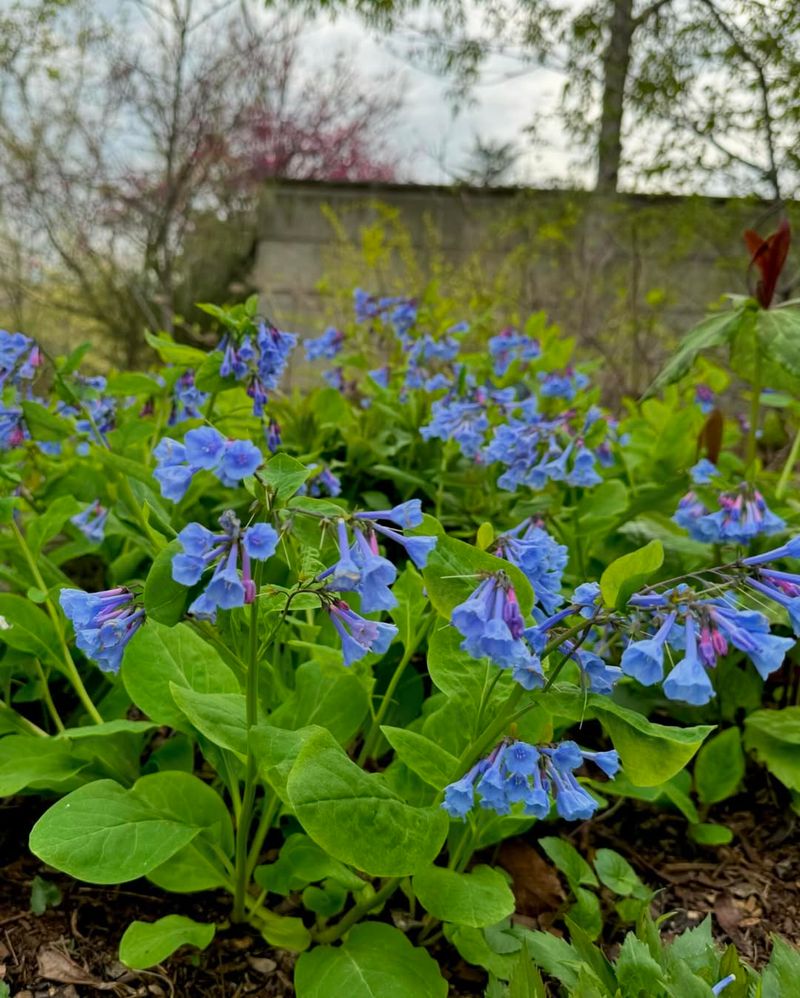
29, 630
719, 768
145, 944
617, 874
456, 673
637, 971
627, 574
453, 573
376, 961
331, 698
44, 895
774, 736
46, 526
592, 956
411, 605
586, 913
157, 656
708, 834
422, 756
779, 335
165, 600
175, 353
782, 973
526, 981
284, 475
133, 383
478, 898
105, 834
28, 762
356, 818
220, 717
275, 750
485, 535
46, 425
555, 956
651, 753
712, 332
569, 861
302, 862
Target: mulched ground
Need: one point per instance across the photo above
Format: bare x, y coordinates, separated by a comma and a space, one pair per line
751, 887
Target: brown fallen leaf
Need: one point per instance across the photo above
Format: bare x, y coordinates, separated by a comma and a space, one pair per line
536, 886
729, 915
54, 965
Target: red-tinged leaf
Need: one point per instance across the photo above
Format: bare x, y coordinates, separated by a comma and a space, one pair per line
710, 437
769, 256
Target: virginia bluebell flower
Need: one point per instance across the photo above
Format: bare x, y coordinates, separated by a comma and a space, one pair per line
13, 430
381, 375
493, 627
362, 569
104, 623
510, 345
534, 776
562, 384
202, 549
359, 635
644, 660
460, 420
704, 397
703, 472
203, 449
334, 378
743, 514
258, 361
20, 358
321, 482
540, 558
187, 399
326, 346
720, 986
92, 522
272, 434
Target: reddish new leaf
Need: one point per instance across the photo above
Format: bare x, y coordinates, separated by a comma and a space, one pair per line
769, 256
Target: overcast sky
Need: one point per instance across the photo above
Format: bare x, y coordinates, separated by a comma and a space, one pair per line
432, 141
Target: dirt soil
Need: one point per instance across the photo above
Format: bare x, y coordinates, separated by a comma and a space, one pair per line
751, 888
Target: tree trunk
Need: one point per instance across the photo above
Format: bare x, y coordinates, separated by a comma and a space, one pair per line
616, 62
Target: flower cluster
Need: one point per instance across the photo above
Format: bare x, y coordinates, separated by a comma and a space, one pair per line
187, 400
562, 384
92, 522
400, 312
429, 362
492, 626
20, 358
321, 482
258, 361
510, 345
541, 559
534, 776
327, 346
534, 452
203, 449
227, 587
742, 515
13, 430
461, 420
359, 635
104, 623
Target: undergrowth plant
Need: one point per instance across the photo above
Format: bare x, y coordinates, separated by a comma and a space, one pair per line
377, 628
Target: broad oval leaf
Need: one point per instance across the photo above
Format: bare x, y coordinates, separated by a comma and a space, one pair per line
479, 898
145, 944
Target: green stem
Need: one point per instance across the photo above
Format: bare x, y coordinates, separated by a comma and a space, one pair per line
47, 697
755, 414
788, 468
248, 800
70, 668
330, 935
386, 702
18, 719
268, 813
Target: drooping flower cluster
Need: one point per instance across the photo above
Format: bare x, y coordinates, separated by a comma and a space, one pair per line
203, 449
187, 399
228, 587
536, 450
533, 776
20, 358
700, 630
510, 345
400, 312
258, 361
458, 419
92, 522
362, 569
493, 627
562, 384
540, 558
321, 482
326, 346
429, 362
104, 623
742, 515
